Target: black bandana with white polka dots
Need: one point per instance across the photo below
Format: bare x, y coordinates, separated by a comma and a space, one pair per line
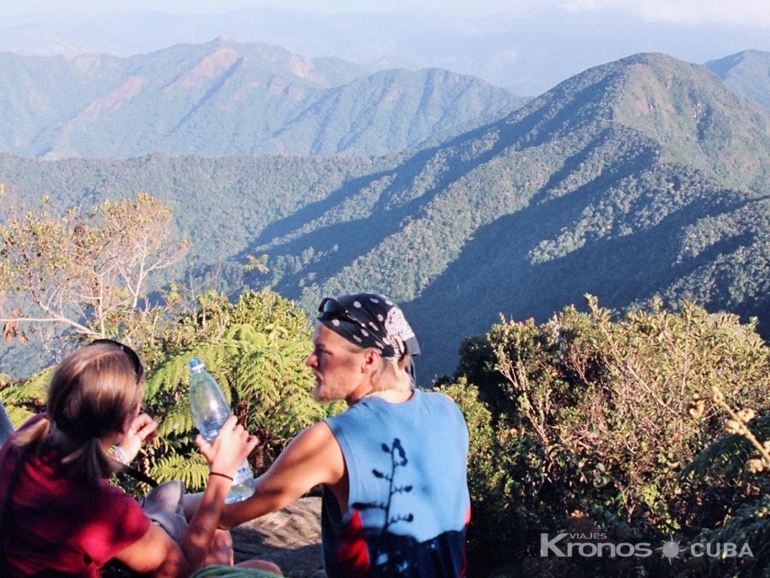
370, 320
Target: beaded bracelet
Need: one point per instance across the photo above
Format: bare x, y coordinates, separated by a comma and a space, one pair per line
221, 475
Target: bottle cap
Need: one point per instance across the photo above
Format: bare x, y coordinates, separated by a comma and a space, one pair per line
196, 364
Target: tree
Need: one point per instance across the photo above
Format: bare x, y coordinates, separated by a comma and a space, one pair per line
590, 425
87, 271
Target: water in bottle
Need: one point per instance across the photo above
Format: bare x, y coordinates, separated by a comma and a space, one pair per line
210, 410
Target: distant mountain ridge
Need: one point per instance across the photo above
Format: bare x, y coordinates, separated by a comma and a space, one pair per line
226, 98
645, 177
747, 72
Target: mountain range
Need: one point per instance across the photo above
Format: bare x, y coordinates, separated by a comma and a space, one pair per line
227, 98
641, 178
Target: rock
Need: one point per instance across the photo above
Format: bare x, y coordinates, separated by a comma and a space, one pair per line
290, 538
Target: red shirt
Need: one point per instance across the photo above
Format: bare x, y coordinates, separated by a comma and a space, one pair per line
56, 524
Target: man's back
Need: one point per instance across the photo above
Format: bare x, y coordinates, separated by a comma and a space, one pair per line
408, 500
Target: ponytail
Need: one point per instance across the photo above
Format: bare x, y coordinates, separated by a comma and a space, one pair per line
89, 462
91, 394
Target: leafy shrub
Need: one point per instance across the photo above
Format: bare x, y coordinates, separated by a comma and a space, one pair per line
592, 426
255, 348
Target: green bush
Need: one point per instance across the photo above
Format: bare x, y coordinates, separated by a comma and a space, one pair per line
591, 426
255, 348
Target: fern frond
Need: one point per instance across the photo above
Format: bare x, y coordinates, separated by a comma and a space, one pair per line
749, 525
193, 470
177, 421
217, 357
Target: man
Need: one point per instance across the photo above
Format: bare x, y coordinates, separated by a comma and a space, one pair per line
392, 466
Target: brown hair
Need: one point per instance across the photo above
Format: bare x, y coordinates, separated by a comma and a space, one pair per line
91, 394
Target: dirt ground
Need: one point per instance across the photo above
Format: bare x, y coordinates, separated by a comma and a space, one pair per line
290, 538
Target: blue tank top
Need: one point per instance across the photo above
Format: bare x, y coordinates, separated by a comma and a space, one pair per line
408, 505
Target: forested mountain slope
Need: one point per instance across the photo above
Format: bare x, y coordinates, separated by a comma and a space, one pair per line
747, 72
646, 176
641, 177
226, 98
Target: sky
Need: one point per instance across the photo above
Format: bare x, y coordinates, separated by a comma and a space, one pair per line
527, 46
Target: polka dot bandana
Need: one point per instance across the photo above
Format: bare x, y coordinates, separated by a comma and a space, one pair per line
370, 320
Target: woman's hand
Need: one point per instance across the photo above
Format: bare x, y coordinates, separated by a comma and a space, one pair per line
143, 429
226, 454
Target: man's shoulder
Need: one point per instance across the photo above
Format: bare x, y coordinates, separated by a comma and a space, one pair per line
437, 397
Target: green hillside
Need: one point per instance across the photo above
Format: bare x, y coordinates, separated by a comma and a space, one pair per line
606, 184
643, 177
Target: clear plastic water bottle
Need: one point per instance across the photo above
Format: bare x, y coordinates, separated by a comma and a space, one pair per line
210, 410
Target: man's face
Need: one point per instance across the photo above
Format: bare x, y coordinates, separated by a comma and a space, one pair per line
338, 369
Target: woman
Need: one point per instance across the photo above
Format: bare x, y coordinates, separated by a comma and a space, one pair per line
59, 513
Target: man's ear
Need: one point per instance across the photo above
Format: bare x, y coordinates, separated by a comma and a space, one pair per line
371, 359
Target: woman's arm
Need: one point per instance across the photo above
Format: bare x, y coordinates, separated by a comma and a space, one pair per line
156, 553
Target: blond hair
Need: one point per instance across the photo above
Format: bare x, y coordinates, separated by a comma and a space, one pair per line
91, 394
393, 374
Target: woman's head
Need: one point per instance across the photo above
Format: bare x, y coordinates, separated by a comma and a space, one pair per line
93, 397
95, 389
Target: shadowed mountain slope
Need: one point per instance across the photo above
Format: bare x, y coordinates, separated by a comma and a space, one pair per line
746, 72
626, 181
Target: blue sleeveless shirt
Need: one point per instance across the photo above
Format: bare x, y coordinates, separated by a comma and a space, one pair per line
408, 505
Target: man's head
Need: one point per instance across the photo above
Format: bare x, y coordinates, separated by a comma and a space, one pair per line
363, 344
370, 320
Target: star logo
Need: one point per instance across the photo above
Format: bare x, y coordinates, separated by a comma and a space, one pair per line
670, 549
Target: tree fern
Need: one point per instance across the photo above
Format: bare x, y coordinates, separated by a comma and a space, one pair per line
258, 359
192, 470
177, 421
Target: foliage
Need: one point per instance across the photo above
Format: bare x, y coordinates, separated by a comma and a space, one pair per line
504, 482
256, 350
749, 524
87, 271
642, 177
599, 424
739, 462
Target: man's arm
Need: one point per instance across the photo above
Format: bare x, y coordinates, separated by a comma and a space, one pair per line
313, 457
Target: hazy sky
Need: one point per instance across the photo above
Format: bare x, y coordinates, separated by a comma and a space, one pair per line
525, 45
749, 12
